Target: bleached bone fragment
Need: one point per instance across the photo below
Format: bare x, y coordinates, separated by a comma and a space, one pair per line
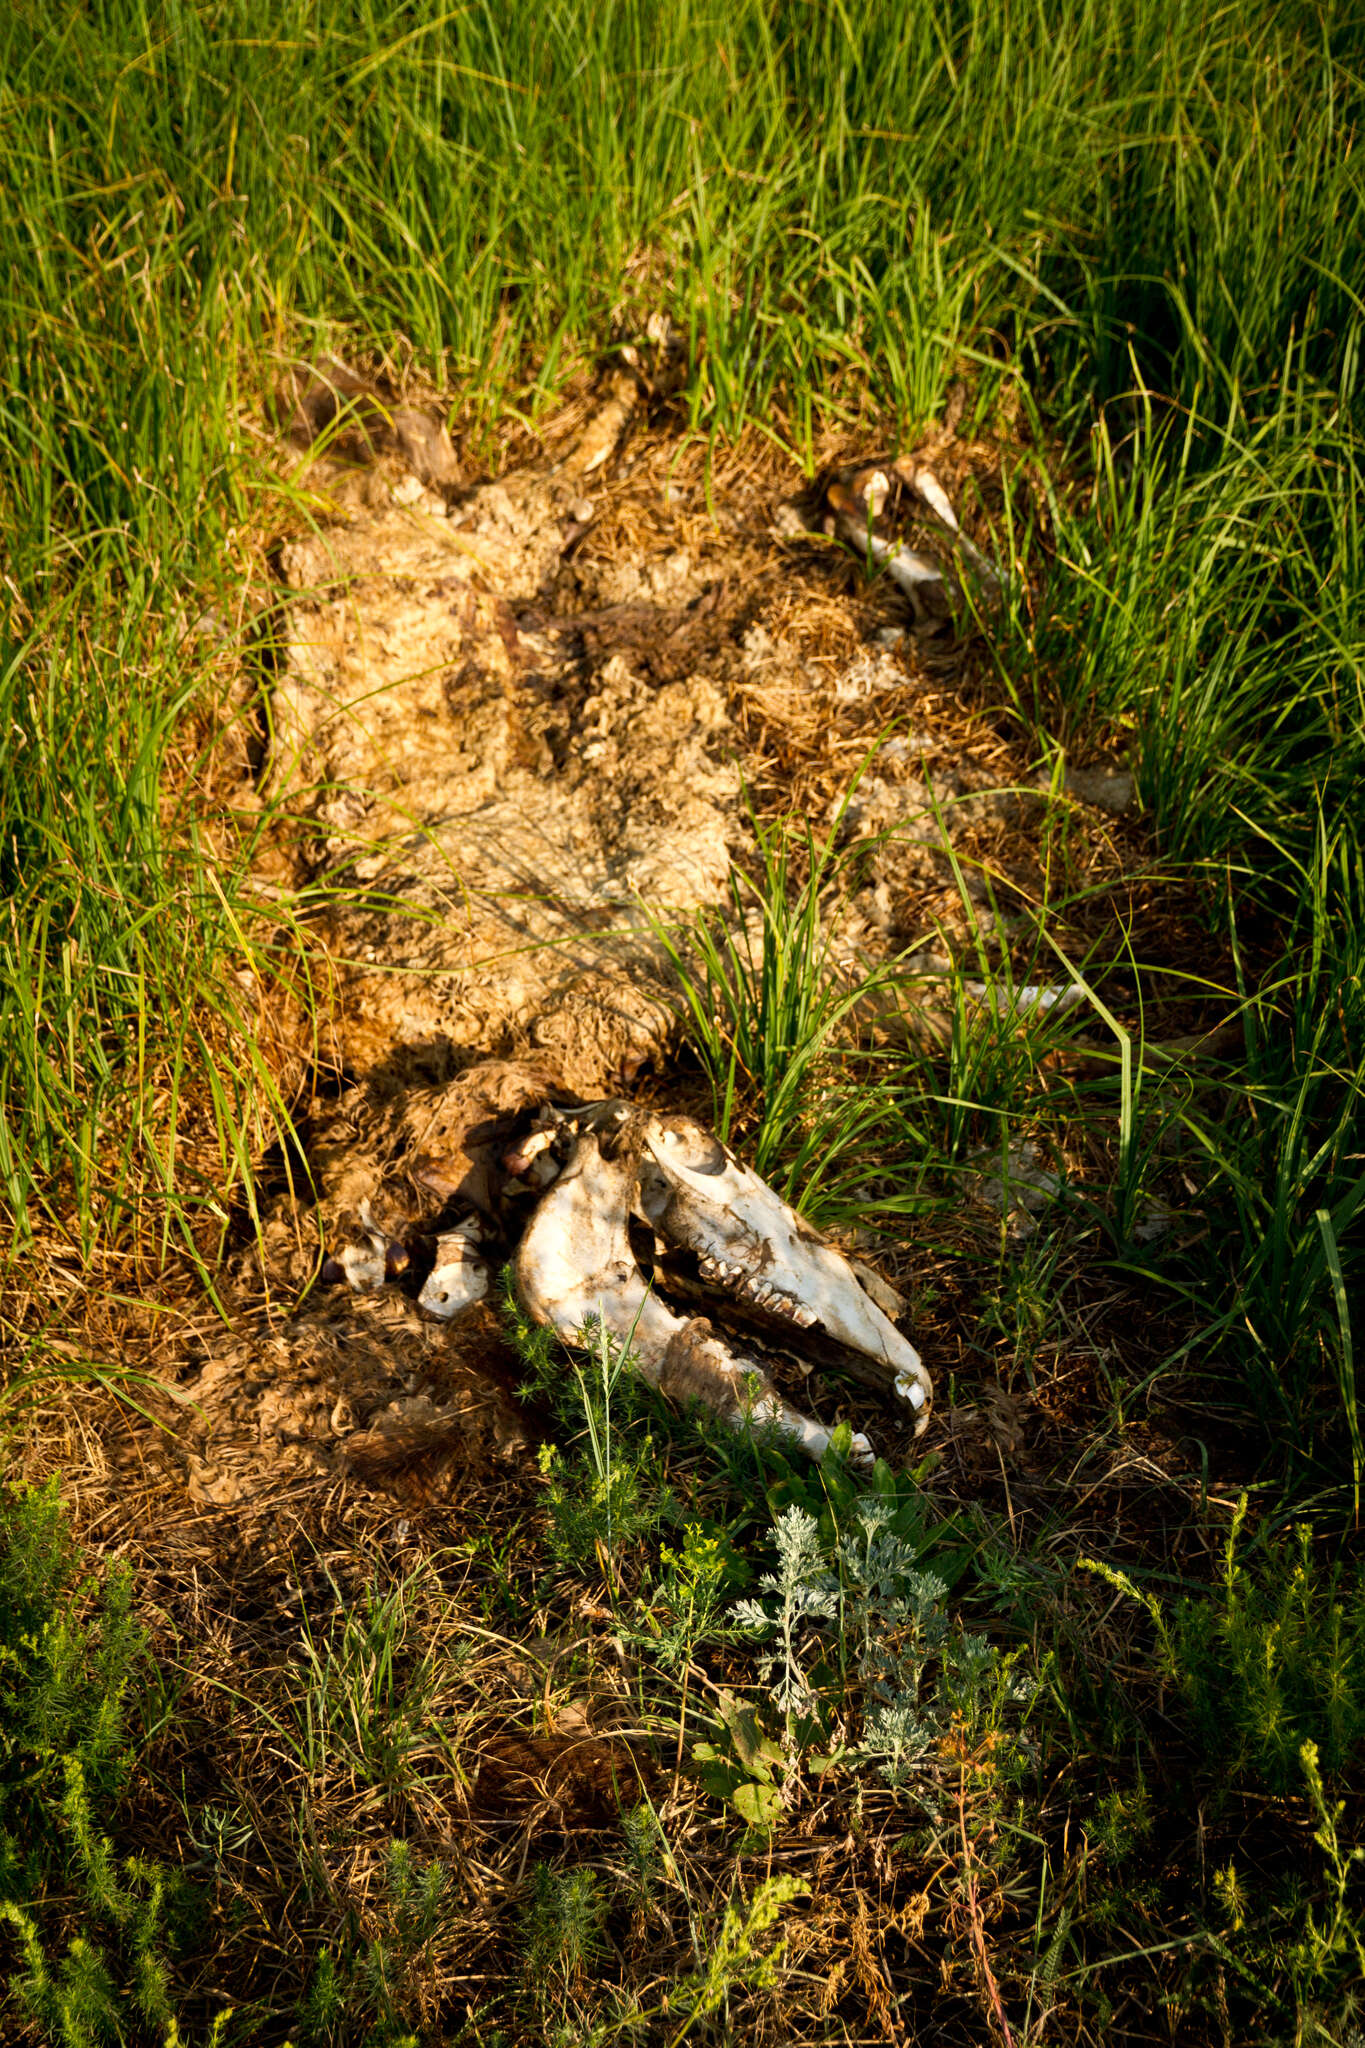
855, 507
860, 502
926, 485
874, 489
368, 1262
1021, 1189
930, 491
576, 1269
459, 1277
607, 427
697, 1367
364, 1266
697, 1195
520, 1158
1027, 997
533, 1161
909, 570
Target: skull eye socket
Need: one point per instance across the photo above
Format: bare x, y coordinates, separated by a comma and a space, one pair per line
683, 1143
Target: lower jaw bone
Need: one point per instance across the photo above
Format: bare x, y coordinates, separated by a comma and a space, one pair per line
696, 1366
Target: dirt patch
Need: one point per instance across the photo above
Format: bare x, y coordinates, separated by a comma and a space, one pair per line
360, 1387
519, 722
561, 1783
495, 798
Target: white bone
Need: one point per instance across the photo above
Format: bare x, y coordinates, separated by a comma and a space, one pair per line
882, 1292
714, 1212
1026, 997
459, 1278
365, 1265
876, 490
927, 486
911, 571
524, 1155
576, 1267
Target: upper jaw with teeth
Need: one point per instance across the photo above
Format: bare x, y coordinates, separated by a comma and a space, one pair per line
638, 1221
698, 1196
756, 1293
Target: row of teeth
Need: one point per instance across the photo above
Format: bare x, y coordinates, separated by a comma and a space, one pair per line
740, 1283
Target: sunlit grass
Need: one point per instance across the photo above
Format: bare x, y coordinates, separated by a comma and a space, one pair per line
835, 210
1134, 233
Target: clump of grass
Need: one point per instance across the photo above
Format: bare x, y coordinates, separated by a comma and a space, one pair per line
851, 1103
766, 999
138, 1078
364, 1689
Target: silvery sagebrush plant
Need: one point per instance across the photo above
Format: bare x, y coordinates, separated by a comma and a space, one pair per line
894, 1607
974, 1690
806, 1592
889, 1613
895, 1612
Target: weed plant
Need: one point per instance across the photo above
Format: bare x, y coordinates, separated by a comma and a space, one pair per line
70, 1651
1274, 1658
1268, 1668
72, 1670
605, 1492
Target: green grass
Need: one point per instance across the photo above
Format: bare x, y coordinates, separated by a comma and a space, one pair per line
839, 211
1135, 231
